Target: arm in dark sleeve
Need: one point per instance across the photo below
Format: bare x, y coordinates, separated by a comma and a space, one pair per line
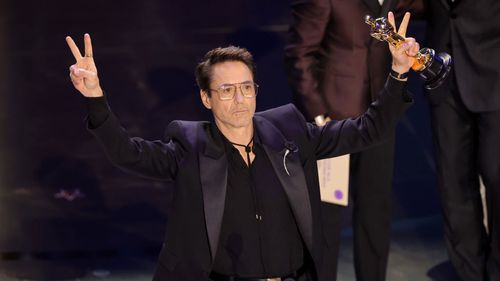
156, 159
375, 126
308, 24
98, 111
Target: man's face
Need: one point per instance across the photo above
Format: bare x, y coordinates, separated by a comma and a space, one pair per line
234, 113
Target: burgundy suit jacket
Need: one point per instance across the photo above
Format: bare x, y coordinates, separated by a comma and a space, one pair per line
333, 64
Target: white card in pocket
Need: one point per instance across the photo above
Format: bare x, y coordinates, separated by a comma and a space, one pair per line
333, 176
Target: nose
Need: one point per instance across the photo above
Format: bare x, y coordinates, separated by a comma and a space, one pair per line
238, 95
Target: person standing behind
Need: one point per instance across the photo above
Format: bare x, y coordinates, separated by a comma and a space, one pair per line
465, 113
336, 69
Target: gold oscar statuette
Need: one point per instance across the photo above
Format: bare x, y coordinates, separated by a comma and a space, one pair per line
431, 67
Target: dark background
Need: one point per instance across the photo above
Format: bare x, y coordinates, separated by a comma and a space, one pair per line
145, 52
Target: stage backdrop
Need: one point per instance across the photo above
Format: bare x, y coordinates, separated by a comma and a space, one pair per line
58, 192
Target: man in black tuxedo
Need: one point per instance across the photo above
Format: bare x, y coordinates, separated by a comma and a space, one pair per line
465, 118
246, 200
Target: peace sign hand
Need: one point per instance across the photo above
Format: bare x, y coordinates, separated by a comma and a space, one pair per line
83, 73
403, 57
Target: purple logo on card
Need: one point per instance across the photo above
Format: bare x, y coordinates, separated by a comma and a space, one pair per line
338, 194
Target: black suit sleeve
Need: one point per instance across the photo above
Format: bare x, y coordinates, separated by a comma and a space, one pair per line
376, 125
156, 159
98, 111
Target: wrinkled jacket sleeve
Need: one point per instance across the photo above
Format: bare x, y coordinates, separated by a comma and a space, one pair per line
373, 127
156, 159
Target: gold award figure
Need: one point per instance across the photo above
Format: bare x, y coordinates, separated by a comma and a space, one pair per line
431, 67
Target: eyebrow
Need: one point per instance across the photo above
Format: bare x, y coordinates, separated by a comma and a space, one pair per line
244, 82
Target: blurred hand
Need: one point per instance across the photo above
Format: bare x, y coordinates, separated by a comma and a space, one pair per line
403, 57
83, 73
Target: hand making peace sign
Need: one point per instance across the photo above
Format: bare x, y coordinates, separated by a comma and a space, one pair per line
83, 73
404, 56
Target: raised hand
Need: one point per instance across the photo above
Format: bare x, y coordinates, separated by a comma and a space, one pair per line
83, 73
403, 57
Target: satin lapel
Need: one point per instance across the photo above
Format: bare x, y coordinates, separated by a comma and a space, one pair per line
373, 6
213, 175
290, 173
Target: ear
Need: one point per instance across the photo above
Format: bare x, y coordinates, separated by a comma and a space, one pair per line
205, 99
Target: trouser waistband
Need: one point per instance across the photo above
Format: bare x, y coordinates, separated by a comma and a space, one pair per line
214, 276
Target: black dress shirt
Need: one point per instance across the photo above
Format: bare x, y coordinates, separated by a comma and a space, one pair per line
259, 237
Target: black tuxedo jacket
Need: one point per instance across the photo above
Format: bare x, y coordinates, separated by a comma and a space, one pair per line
193, 156
470, 31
